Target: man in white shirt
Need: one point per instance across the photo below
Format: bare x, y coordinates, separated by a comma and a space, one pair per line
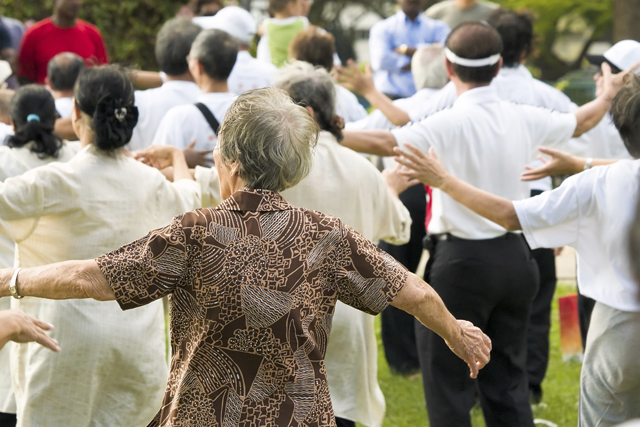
62, 73
592, 211
172, 47
248, 73
482, 272
211, 60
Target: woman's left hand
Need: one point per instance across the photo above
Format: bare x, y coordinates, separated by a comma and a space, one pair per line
157, 156
21, 328
396, 181
472, 346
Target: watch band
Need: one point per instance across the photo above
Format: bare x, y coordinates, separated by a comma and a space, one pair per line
12, 284
587, 164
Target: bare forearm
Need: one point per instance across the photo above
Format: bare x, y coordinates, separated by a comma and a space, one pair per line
146, 79
590, 114
490, 206
378, 142
180, 167
420, 300
396, 115
63, 280
64, 129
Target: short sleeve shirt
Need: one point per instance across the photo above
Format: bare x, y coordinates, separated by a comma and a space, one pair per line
253, 285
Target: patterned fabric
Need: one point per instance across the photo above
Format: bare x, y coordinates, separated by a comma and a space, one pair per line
252, 287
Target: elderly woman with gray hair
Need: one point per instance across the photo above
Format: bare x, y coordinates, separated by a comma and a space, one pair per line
253, 283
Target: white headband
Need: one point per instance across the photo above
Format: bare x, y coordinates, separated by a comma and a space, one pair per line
465, 62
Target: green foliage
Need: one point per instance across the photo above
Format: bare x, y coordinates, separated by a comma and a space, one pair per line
128, 27
598, 13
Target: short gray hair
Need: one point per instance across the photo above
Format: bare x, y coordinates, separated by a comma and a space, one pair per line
217, 52
427, 66
313, 87
270, 138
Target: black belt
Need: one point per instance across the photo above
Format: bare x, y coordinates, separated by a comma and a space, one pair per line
430, 239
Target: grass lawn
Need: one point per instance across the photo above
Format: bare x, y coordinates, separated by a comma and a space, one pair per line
405, 400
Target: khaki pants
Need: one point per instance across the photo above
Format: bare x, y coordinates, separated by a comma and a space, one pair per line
610, 378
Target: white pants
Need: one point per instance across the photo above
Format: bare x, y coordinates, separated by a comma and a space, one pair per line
610, 378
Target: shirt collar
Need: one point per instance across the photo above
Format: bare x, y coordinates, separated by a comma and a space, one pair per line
255, 201
519, 71
479, 95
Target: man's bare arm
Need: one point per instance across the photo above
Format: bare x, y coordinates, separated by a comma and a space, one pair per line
378, 142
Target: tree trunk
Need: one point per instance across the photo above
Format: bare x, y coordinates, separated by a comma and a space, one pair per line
626, 16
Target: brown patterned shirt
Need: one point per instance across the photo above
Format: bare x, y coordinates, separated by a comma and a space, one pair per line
252, 287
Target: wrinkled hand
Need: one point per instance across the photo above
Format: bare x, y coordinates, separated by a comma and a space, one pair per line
397, 182
157, 156
426, 168
472, 346
355, 80
559, 164
611, 83
23, 328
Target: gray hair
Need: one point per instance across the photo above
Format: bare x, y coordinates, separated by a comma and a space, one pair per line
427, 66
173, 44
313, 87
270, 138
217, 52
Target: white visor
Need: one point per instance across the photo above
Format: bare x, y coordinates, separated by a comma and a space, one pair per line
475, 63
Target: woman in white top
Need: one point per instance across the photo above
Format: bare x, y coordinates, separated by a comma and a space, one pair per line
112, 369
33, 144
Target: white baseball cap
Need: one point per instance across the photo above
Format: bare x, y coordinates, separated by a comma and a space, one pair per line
622, 55
233, 20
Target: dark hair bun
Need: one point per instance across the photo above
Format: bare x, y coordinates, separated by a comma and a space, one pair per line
113, 123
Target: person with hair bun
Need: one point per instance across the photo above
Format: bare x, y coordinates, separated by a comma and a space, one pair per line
32, 110
113, 367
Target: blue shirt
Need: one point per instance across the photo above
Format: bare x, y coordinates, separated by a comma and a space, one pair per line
393, 32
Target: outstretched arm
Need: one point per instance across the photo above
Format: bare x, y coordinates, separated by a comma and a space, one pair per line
357, 81
561, 163
428, 170
591, 113
21, 328
465, 340
378, 142
62, 280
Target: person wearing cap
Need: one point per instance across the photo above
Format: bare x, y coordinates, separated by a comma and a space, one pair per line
248, 73
173, 44
393, 42
485, 274
592, 211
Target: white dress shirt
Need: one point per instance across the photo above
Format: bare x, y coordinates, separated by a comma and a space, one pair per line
13, 162
64, 106
249, 73
486, 142
344, 184
592, 212
113, 371
185, 123
347, 105
153, 104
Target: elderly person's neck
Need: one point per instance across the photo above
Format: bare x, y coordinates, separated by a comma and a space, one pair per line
186, 77
462, 87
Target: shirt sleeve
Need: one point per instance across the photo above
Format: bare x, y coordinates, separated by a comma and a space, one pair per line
441, 32
381, 49
101, 49
417, 134
5, 37
550, 128
552, 219
178, 197
149, 268
209, 183
372, 278
170, 131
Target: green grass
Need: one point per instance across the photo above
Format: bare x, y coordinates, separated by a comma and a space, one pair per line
405, 400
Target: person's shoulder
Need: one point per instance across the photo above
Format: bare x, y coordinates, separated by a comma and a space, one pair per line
385, 23
437, 9
555, 97
39, 28
488, 5
180, 112
88, 27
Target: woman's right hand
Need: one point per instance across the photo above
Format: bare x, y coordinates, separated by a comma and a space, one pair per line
158, 156
559, 164
472, 346
22, 328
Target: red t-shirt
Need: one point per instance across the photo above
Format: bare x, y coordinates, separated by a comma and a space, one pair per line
44, 40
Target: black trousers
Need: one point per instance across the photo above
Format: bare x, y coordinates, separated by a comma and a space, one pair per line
491, 283
7, 420
540, 320
341, 422
398, 336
